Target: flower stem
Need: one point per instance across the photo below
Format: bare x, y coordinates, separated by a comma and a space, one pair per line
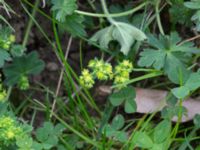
105, 9
158, 18
114, 15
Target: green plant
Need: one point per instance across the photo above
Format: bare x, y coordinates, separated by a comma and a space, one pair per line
47, 136
113, 130
116, 53
126, 96
194, 4
165, 53
159, 139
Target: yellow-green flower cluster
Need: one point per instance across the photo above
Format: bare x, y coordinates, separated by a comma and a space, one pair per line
86, 79
122, 72
6, 42
101, 70
9, 130
24, 83
3, 93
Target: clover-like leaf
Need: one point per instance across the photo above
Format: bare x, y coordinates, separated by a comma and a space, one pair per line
123, 33
121, 136
22, 66
62, 8
24, 142
197, 120
193, 81
158, 146
191, 84
181, 92
142, 140
47, 135
126, 95
114, 131
118, 122
162, 131
195, 4
130, 106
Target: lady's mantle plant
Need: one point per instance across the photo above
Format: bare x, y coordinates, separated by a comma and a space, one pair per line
9, 130
103, 71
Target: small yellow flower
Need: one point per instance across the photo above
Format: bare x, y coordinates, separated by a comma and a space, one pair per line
126, 64
6, 121
92, 64
5, 46
9, 129
101, 70
100, 75
85, 72
10, 134
12, 38
24, 83
122, 72
99, 64
120, 80
86, 79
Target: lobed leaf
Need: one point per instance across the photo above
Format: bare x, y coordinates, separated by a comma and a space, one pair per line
22, 66
62, 8
4, 56
124, 33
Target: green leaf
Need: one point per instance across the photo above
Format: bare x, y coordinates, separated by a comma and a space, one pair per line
22, 66
24, 142
59, 128
193, 82
158, 147
162, 131
130, 106
126, 95
176, 73
5, 32
37, 146
122, 95
155, 58
180, 14
181, 92
4, 56
48, 135
17, 50
74, 25
194, 4
109, 131
196, 120
121, 136
50, 142
62, 8
118, 122
44, 132
123, 33
166, 54
142, 140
